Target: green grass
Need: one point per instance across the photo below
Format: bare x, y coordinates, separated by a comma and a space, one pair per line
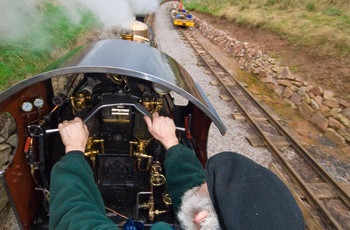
323, 24
196, 6
52, 37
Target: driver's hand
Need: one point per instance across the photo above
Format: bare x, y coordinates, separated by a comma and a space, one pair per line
162, 129
74, 134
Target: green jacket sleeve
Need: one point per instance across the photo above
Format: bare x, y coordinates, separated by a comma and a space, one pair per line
183, 171
161, 226
75, 201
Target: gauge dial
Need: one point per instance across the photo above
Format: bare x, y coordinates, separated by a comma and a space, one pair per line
38, 102
160, 88
27, 106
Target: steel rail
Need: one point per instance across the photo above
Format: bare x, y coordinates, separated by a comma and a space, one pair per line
330, 221
305, 154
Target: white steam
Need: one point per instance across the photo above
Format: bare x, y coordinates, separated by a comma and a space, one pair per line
17, 17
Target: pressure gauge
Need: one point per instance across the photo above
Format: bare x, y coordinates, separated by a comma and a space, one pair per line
160, 88
27, 106
38, 102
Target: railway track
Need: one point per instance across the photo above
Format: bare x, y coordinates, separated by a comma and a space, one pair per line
324, 202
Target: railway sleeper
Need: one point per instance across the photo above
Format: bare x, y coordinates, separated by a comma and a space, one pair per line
310, 220
240, 116
279, 141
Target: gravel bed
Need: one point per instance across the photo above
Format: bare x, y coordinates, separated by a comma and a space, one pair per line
170, 42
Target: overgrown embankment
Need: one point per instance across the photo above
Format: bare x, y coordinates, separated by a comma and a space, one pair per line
51, 33
324, 24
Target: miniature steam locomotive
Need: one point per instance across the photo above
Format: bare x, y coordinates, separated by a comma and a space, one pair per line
180, 16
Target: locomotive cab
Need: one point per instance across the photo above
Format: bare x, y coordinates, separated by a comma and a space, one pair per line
111, 85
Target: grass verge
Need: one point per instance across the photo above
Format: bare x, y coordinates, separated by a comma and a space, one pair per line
52, 36
323, 25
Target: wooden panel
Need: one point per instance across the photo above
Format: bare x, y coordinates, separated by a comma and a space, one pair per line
17, 176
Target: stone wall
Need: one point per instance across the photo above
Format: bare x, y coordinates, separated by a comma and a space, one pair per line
319, 106
8, 143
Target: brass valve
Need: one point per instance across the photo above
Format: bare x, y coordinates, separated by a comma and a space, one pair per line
120, 80
140, 153
91, 151
153, 106
157, 179
79, 101
127, 35
152, 212
167, 199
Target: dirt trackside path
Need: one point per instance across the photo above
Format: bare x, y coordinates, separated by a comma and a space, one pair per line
327, 153
332, 73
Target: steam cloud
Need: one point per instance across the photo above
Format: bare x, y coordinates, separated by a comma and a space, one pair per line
17, 17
